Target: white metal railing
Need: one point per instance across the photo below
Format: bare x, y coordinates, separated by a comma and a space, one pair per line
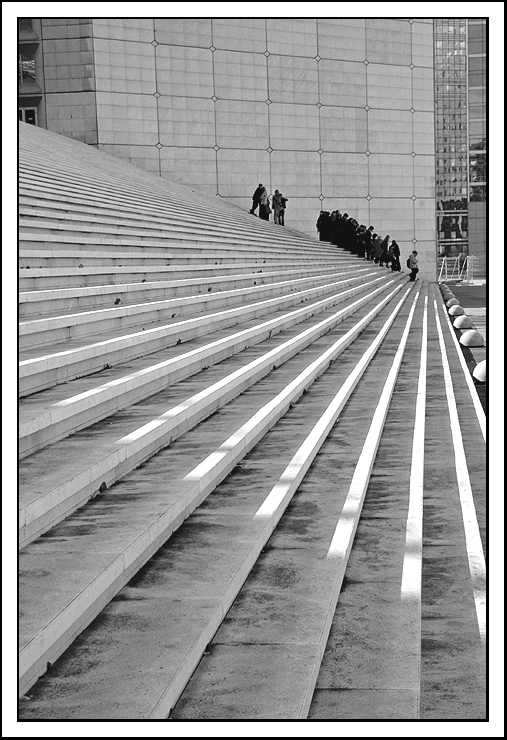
456, 269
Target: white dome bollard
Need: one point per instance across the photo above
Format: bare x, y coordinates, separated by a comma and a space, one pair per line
462, 322
456, 311
479, 372
471, 338
452, 302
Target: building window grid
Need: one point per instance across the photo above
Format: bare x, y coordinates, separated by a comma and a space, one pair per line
451, 76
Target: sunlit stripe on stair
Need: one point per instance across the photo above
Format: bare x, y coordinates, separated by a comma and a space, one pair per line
476, 561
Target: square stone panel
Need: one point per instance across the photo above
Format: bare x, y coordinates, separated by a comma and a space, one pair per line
292, 37
242, 123
239, 171
287, 168
342, 83
192, 166
390, 132
239, 34
344, 175
389, 87
186, 121
184, 31
184, 71
388, 41
293, 80
342, 38
240, 76
343, 129
294, 127
127, 29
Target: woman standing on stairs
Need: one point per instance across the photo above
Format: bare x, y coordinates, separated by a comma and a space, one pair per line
264, 209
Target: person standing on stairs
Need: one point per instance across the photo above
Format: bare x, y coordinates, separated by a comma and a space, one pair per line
277, 207
256, 197
412, 265
395, 261
282, 210
264, 209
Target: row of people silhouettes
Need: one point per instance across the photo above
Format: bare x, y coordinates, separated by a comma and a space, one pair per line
346, 232
260, 199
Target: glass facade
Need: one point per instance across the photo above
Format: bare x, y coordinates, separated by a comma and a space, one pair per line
451, 135
460, 123
477, 108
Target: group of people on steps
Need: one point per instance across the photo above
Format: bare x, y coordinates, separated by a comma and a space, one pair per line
346, 232
260, 199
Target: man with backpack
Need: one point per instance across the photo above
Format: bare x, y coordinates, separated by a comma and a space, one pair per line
412, 265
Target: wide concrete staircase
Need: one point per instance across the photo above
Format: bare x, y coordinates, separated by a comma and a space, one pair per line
225, 432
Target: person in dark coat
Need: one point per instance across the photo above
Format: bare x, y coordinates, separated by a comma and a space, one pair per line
282, 210
369, 244
395, 257
256, 197
324, 226
384, 255
377, 249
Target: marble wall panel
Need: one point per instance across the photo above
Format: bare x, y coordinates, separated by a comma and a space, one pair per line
388, 41
241, 123
342, 38
424, 177
342, 83
391, 175
127, 29
344, 175
240, 170
184, 31
186, 121
389, 86
295, 174
393, 217
72, 114
422, 45
239, 34
124, 66
390, 131
424, 133
240, 76
423, 89
424, 219
343, 129
183, 70
192, 166
293, 37
294, 127
293, 80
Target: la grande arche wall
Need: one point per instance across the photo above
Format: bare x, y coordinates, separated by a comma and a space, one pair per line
335, 113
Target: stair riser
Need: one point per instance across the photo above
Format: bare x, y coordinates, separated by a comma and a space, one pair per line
29, 306
39, 333
46, 373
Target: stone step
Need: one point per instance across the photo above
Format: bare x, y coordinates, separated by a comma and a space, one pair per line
43, 644
49, 494
226, 225
45, 278
75, 211
44, 367
49, 416
230, 554
39, 302
280, 621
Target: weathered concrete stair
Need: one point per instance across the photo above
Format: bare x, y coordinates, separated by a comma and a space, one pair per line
191, 517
